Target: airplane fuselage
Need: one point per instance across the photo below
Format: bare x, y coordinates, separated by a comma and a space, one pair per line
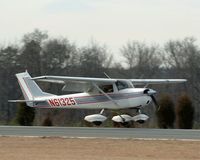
99, 93
127, 98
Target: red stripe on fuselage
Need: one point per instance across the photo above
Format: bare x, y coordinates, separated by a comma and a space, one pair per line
110, 94
107, 99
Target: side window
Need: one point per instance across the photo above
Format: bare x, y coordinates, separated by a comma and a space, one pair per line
107, 88
121, 85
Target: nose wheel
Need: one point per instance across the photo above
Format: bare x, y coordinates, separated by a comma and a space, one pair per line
140, 118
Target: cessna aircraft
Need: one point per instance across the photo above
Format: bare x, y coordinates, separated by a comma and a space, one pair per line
97, 93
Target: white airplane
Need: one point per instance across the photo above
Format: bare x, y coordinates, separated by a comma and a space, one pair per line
98, 93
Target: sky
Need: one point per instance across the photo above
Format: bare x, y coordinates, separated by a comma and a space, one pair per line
109, 22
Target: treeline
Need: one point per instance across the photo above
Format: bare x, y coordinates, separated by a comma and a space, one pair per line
43, 55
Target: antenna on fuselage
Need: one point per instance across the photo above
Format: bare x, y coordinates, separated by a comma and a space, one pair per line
106, 75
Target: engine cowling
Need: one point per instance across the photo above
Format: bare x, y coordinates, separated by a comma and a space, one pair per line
140, 118
122, 118
96, 119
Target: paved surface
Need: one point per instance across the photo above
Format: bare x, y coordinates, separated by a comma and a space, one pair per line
100, 132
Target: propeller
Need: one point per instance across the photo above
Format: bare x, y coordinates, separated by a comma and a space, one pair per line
155, 102
151, 92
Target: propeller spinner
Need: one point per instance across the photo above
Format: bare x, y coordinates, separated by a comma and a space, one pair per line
151, 93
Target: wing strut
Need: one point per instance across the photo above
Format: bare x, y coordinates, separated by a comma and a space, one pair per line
100, 90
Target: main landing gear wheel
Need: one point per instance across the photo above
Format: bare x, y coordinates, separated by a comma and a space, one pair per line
96, 119
124, 120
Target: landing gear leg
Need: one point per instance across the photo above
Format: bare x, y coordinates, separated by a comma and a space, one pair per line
138, 111
101, 112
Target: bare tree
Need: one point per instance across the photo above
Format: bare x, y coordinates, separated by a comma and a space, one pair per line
94, 59
30, 54
8, 66
58, 54
183, 56
37, 36
142, 60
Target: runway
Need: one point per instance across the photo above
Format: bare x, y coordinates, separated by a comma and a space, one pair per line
85, 132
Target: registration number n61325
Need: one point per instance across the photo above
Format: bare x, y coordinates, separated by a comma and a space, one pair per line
62, 102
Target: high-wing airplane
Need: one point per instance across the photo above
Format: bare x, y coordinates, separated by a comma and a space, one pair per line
97, 93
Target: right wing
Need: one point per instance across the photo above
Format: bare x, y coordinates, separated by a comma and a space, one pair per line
83, 83
63, 79
75, 84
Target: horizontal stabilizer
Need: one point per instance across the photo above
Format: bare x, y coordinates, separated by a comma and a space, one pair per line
24, 101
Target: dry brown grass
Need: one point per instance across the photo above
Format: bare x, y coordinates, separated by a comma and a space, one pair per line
25, 148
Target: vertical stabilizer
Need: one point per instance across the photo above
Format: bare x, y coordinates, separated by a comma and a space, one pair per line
29, 88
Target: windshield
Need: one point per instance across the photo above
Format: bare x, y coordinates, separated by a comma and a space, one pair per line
123, 85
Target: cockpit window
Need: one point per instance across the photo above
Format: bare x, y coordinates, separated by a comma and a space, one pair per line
123, 85
107, 88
